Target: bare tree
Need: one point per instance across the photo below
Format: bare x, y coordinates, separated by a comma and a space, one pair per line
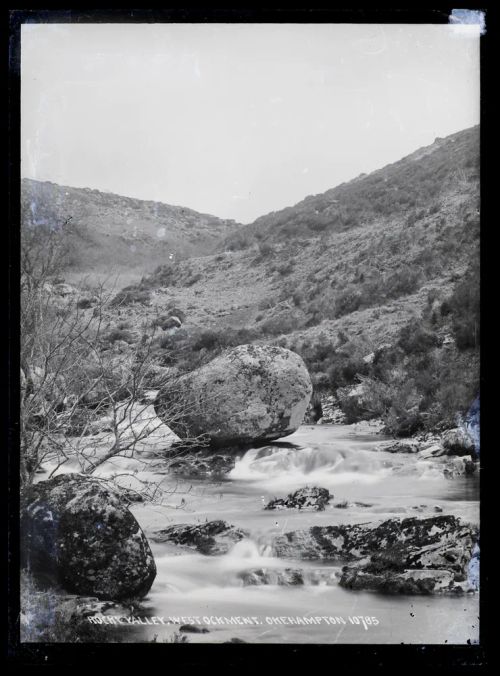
77, 379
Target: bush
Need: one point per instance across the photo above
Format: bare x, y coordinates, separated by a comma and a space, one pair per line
275, 326
465, 308
120, 334
265, 249
129, 295
414, 339
346, 302
84, 303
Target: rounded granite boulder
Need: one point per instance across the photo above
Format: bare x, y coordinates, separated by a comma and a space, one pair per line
248, 394
78, 533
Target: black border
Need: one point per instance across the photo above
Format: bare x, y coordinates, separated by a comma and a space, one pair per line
256, 656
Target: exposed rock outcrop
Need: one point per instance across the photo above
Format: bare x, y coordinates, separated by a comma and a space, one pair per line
397, 556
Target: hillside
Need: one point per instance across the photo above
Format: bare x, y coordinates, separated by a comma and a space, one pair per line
374, 283
397, 190
110, 231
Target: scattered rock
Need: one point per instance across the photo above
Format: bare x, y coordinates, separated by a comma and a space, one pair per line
460, 466
78, 533
282, 577
193, 629
305, 498
345, 504
199, 465
212, 538
250, 393
171, 323
314, 410
458, 442
403, 446
433, 451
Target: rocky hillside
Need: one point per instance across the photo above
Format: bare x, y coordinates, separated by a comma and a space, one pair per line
419, 180
111, 231
374, 283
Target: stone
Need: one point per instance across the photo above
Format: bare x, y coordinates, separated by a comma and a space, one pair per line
406, 582
272, 576
248, 394
433, 451
212, 537
403, 446
201, 465
441, 542
460, 466
77, 533
458, 442
193, 629
304, 498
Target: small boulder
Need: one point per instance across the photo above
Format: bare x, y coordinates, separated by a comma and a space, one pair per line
458, 442
433, 451
212, 537
282, 577
403, 446
193, 629
305, 498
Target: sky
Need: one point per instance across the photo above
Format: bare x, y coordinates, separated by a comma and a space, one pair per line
237, 120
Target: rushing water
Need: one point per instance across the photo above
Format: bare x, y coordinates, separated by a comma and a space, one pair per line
208, 591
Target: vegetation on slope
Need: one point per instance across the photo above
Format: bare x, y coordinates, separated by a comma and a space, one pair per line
375, 283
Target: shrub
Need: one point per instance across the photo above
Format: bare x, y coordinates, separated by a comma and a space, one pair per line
464, 305
346, 302
119, 334
265, 249
281, 324
129, 295
84, 303
414, 339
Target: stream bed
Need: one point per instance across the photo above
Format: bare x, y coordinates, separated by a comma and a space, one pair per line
369, 485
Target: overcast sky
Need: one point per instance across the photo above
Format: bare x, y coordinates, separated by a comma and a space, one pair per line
237, 119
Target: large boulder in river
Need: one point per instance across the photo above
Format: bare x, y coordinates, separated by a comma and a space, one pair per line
77, 533
250, 393
439, 542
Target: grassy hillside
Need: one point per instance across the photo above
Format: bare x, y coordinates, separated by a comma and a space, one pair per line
121, 232
375, 283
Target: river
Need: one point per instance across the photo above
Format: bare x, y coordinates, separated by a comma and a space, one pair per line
371, 485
